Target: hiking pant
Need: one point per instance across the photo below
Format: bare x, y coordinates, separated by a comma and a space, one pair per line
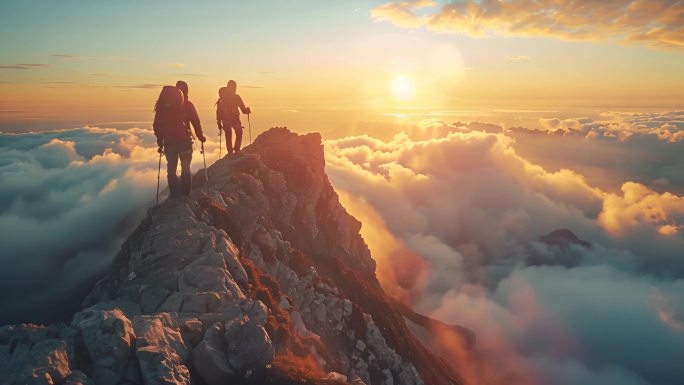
228, 127
173, 152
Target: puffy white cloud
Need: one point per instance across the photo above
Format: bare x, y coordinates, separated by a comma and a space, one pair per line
611, 149
658, 23
68, 199
468, 205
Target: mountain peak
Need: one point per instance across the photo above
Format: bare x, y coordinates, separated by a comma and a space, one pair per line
260, 276
563, 237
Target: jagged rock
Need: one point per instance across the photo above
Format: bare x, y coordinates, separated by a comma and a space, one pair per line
152, 297
191, 329
108, 337
45, 361
256, 311
210, 359
173, 303
248, 344
161, 366
160, 350
77, 377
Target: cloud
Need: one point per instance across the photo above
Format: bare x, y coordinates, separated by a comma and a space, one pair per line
66, 56
518, 57
145, 86
68, 200
175, 65
191, 74
657, 23
22, 66
610, 149
467, 209
403, 13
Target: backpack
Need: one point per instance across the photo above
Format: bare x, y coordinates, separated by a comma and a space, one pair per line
169, 112
223, 104
170, 100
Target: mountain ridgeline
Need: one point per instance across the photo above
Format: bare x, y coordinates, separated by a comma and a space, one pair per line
259, 277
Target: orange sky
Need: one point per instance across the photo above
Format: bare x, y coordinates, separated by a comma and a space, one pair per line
330, 61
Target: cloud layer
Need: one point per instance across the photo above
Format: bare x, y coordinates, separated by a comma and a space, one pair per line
659, 23
463, 211
68, 199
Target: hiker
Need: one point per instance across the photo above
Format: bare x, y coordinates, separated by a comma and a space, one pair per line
174, 114
228, 109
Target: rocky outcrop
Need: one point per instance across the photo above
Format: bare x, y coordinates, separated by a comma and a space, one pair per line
260, 276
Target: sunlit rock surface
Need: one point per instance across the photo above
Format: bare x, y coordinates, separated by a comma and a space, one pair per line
260, 276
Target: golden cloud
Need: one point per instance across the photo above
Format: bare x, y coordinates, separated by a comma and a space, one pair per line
659, 23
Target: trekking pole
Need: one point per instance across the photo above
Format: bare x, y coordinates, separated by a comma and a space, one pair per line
206, 175
249, 123
159, 173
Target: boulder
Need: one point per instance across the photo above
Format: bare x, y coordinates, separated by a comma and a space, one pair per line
46, 362
108, 337
77, 377
209, 357
248, 344
160, 350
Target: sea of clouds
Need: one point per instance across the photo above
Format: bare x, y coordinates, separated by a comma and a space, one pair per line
453, 216
452, 213
68, 200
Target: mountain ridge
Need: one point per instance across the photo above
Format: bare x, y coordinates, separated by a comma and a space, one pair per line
260, 276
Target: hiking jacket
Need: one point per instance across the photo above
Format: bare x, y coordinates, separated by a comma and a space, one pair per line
191, 117
227, 109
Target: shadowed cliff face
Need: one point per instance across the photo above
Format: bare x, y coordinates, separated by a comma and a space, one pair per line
260, 276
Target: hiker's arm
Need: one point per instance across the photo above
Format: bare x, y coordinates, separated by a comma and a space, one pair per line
155, 127
218, 115
241, 104
194, 119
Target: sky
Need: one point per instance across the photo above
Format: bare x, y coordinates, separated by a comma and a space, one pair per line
459, 133
315, 64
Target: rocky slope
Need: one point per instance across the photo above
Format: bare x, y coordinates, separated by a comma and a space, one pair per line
260, 277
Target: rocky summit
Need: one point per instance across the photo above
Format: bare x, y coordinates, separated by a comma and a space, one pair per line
259, 277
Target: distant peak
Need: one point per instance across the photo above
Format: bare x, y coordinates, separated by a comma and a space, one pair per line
563, 237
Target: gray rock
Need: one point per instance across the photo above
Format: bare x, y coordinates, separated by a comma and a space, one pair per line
162, 332
202, 278
210, 359
161, 365
45, 362
50, 356
248, 344
151, 298
108, 337
191, 330
206, 302
77, 377
173, 303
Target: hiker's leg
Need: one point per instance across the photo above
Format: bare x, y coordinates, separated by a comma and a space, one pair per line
238, 137
186, 174
171, 153
229, 138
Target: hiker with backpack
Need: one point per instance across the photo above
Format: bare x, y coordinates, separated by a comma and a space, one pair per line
174, 115
228, 109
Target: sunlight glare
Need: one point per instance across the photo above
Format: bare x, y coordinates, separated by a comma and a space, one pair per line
402, 88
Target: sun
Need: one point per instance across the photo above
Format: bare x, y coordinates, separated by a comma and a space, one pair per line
402, 88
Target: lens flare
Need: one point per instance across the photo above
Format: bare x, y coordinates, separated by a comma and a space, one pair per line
402, 88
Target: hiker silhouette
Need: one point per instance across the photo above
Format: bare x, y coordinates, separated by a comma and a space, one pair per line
228, 109
174, 115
